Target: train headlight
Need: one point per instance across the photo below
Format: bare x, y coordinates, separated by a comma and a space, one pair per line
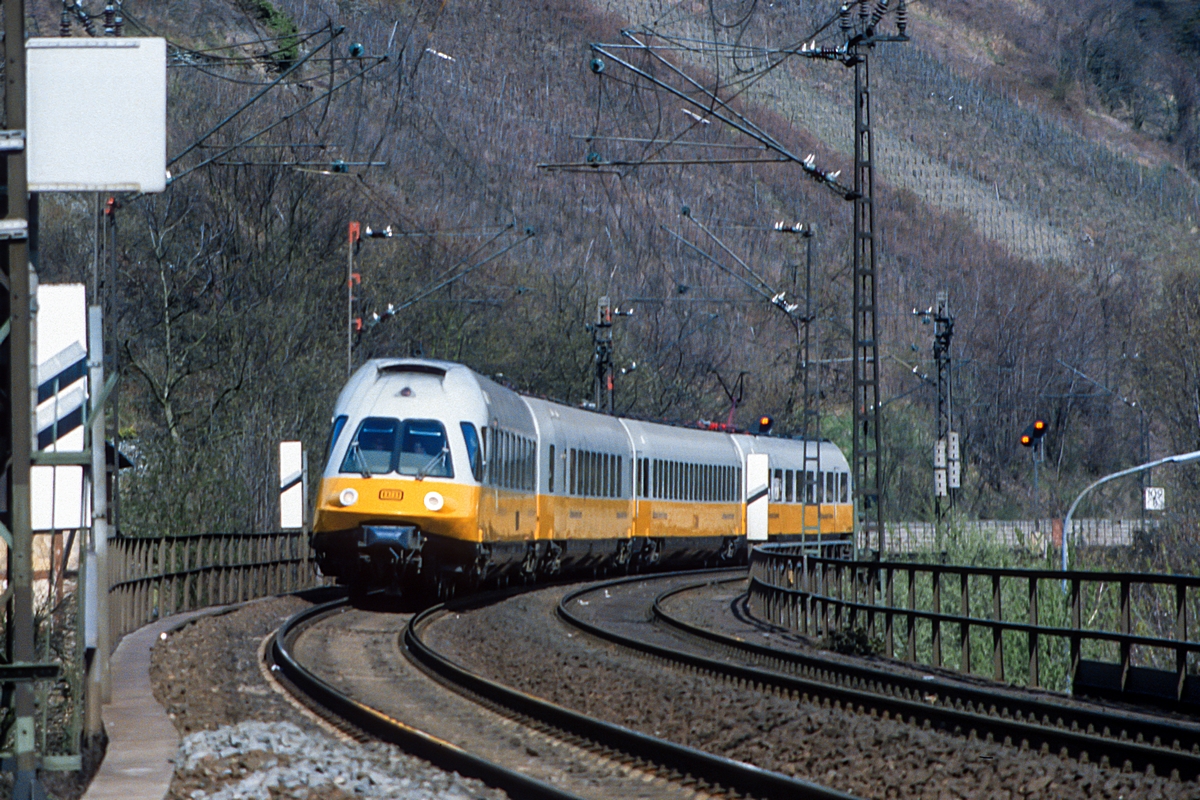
434, 501
348, 497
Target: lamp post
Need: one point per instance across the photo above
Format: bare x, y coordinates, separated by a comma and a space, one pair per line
1177, 459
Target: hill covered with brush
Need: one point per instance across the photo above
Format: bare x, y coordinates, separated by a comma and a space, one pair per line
1037, 164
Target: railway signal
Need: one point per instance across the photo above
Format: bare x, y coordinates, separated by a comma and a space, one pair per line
1033, 433
765, 424
1031, 437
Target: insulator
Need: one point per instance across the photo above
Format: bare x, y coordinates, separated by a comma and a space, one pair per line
844, 18
64, 23
902, 17
110, 11
880, 9
864, 11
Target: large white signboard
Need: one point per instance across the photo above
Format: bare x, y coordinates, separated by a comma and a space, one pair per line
57, 492
97, 111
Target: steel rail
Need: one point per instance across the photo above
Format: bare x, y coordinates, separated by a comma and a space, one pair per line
727, 773
949, 691
916, 704
437, 751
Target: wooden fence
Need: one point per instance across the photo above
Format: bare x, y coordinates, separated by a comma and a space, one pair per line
152, 577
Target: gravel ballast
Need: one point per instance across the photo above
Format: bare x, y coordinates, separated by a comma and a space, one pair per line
243, 740
855, 753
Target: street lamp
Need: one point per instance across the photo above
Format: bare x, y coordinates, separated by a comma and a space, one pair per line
1179, 459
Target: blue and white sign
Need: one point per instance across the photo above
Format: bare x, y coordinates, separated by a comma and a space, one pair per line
58, 501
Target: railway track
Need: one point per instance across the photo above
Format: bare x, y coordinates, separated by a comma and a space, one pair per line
372, 671
1113, 737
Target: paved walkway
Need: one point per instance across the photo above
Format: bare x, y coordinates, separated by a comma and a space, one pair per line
142, 740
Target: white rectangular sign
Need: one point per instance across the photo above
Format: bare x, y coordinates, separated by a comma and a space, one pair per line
758, 469
291, 485
57, 501
96, 115
1156, 498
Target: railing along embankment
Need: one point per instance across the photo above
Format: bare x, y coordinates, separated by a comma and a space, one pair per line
1115, 634
152, 577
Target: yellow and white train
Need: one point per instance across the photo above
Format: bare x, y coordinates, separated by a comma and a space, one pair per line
439, 477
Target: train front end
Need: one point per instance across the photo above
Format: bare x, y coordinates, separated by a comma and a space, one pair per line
403, 471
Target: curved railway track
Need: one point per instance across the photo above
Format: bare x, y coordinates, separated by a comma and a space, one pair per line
524, 745
1117, 737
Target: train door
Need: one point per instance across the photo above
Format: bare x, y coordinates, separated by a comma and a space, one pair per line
758, 482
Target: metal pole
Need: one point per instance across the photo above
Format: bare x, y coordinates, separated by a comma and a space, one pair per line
20, 388
1178, 459
97, 554
350, 299
867, 441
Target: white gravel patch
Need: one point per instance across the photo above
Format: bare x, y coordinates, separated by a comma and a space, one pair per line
268, 760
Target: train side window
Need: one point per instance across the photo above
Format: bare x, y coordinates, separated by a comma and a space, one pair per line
777, 486
573, 462
335, 430
620, 476
550, 476
474, 455
845, 481
829, 487
605, 478
489, 447
789, 482
522, 463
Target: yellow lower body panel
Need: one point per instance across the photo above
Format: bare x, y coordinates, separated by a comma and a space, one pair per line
400, 501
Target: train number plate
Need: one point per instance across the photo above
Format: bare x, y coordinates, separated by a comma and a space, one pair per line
391, 494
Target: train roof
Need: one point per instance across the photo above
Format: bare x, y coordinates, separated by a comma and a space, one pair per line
496, 391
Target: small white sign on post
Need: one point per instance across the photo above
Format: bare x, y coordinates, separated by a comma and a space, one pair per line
96, 114
291, 485
1156, 498
758, 469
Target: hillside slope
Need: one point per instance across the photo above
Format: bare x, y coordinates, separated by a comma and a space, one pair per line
1052, 242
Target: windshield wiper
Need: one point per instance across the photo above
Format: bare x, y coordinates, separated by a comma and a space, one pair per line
358, 459
441, 456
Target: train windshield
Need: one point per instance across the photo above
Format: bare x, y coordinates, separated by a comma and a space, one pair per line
412, 447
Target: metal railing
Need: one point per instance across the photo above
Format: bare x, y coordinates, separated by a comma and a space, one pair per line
152, 577
1106, 633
